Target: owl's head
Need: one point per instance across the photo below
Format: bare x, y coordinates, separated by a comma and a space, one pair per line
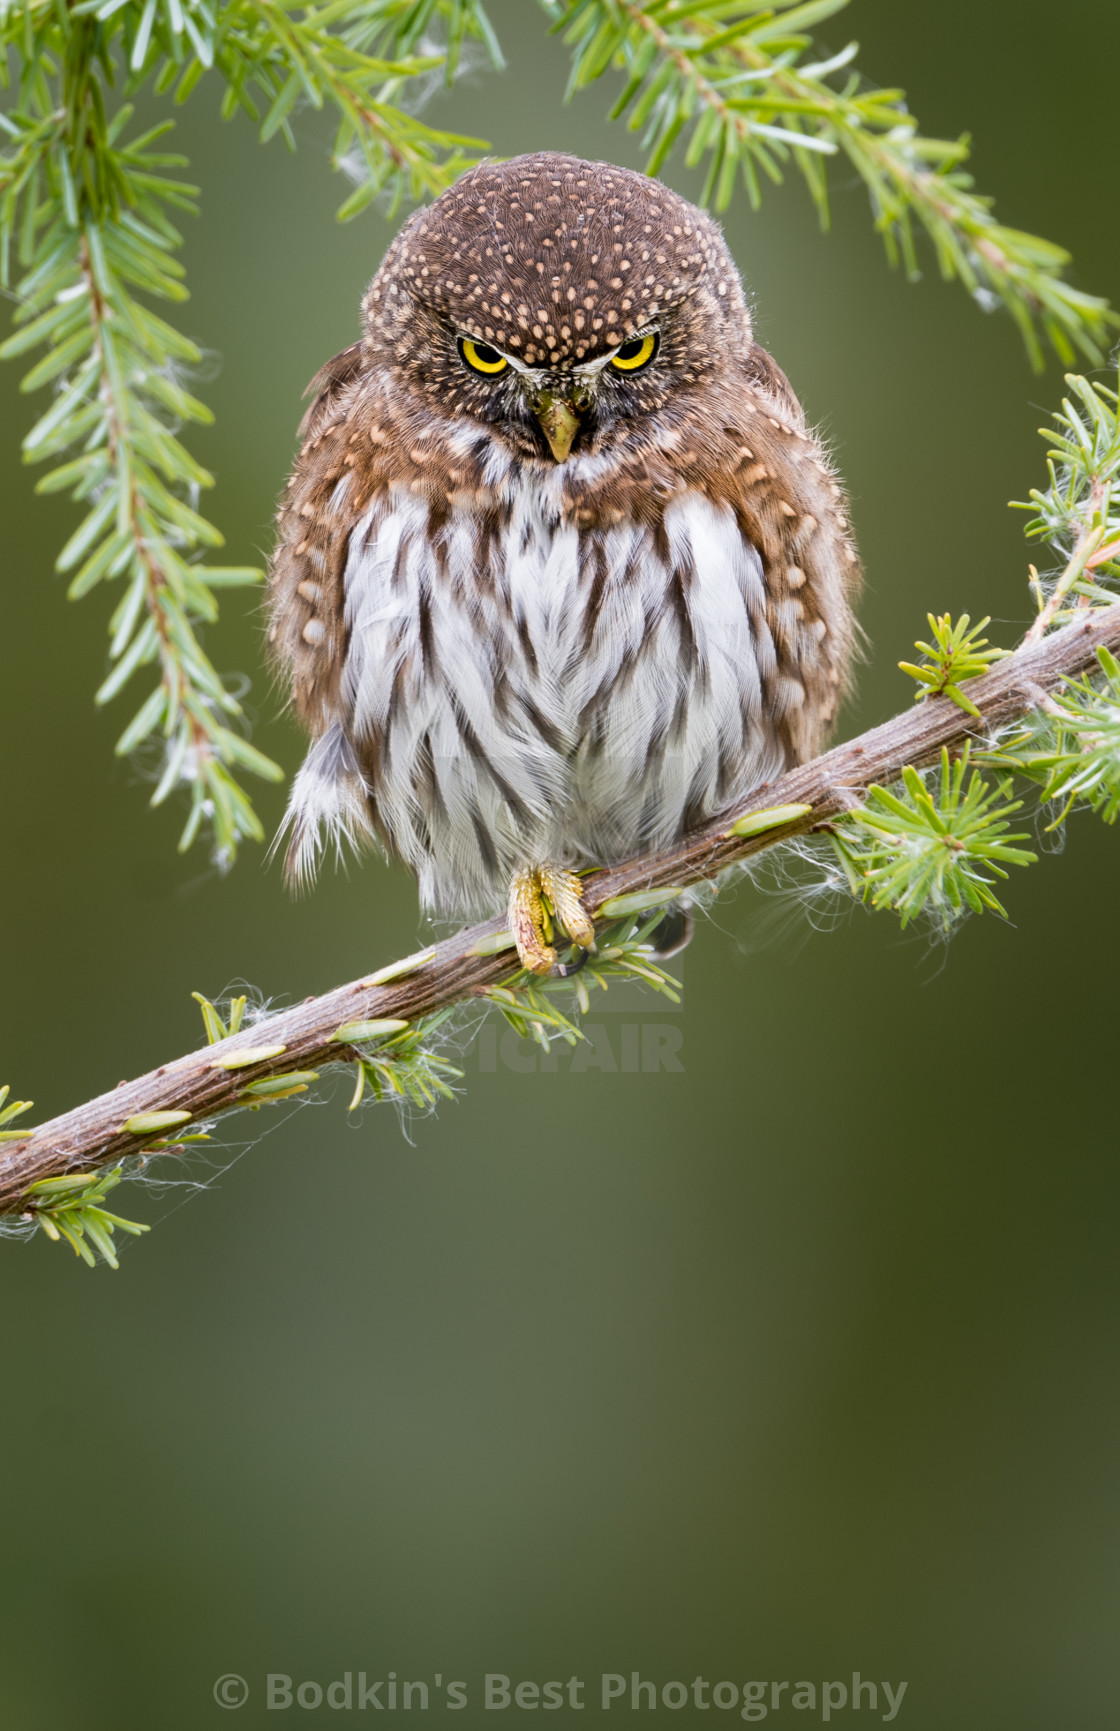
557, 302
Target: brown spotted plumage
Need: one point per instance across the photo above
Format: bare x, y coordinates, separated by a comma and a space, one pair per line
561, 570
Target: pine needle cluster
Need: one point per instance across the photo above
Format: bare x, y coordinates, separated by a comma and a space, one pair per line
743, 83
88, 241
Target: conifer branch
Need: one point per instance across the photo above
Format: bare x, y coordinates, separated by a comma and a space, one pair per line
358, 1023
745, 83
86, 239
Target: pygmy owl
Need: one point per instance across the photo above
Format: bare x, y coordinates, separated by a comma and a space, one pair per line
561, 571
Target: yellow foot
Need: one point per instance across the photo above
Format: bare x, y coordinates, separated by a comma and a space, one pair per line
565, 892
538, 896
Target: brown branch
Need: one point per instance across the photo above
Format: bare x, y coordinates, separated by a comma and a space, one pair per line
94, 1134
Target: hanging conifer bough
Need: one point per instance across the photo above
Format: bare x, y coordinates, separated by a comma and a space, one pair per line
922, 816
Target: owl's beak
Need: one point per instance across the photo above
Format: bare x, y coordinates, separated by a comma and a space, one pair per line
559, 423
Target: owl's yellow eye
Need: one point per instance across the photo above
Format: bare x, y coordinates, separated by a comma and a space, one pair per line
481, 358
632, 356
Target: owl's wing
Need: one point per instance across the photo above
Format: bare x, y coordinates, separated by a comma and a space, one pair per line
334, 477
770, 381
777, 478
339, 469
339, 371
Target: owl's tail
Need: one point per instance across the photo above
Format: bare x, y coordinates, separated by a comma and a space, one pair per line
329, 805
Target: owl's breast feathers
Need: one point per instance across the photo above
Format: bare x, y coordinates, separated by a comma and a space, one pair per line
496, 654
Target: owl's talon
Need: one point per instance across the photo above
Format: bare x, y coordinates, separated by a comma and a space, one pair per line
537, 896
565, 891
527, 922
580, 959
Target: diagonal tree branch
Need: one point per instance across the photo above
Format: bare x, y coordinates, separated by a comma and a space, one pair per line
203, 1085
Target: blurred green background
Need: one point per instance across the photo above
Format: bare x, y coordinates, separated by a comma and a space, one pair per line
797, 1361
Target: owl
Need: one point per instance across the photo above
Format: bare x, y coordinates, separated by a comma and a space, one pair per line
561, 571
